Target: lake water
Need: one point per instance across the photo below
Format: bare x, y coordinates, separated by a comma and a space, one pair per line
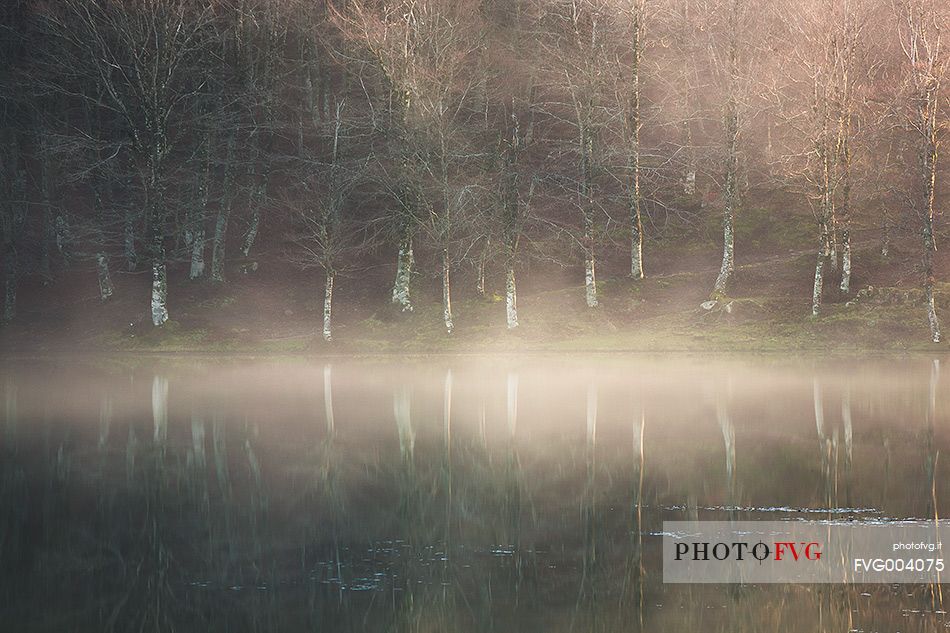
448, 494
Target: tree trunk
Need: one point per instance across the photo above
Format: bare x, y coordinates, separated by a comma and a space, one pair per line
927, 105
636, 228
10, 283
327, 306
731, 199
157, 248
446, 292
63, 239
844, 157
731, 138
587, 200
49, 230
106, 288
480, 278
224, 214
159, 290
480, 269
636, 224
590, 281
251, 234
885, 235
131, 255
196, 229
46, 267
218, 243
257, 199
511, 296
819, 272
928, 265
845, 261
825, 210
403, 274
197, 254
833, 239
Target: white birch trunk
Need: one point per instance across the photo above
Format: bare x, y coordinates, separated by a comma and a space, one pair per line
636, 251
159, 292
846, 264
327, 307
590, 281
446, 293
932, 314
728, 254
403, 276
731, 195
106, 288
511, 298
197, 255
251, 234
689, 183
480, 278
885, 235
819, 278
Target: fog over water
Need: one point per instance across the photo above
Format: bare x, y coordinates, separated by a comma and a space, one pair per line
447, 493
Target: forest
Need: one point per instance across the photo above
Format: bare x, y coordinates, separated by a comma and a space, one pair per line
452, 145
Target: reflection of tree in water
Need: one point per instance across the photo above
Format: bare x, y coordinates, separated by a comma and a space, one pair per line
434, 522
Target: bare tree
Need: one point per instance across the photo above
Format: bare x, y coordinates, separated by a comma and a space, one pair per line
635, 15
423, 48
139, 55
388, 31
12, 219
919, 23
730, 129
324, 223
577, 67
253, 44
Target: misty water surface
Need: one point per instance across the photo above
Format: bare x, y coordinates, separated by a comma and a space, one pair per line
447, 494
